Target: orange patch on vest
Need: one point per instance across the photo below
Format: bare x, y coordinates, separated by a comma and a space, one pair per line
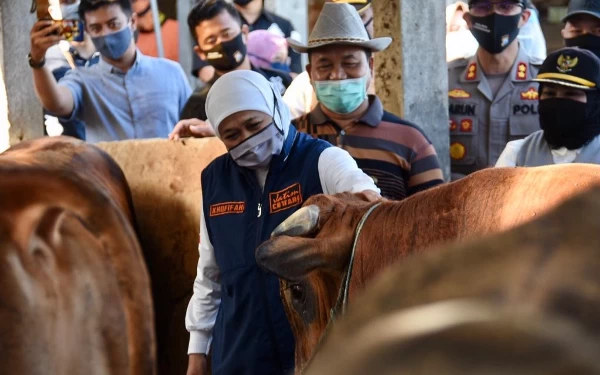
285, 199
227, 208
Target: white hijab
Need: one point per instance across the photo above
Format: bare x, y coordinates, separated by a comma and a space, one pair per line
244, 90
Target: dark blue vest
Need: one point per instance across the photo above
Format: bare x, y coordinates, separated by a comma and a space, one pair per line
252, 334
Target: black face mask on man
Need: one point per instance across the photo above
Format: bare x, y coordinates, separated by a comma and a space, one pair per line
586, 41
569, 123
228, 55
495, 32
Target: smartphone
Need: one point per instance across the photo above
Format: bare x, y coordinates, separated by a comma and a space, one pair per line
71, 30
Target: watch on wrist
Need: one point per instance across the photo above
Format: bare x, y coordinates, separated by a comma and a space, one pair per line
34, 64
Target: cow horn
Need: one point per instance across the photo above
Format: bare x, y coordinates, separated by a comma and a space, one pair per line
300, 223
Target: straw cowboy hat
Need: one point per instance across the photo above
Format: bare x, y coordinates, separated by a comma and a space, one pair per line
340, 23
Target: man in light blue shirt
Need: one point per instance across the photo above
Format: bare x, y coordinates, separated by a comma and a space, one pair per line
126, 95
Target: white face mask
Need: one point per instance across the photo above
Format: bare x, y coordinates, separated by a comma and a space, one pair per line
257, 151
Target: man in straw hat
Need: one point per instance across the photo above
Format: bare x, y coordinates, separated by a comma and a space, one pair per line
300, 95
397, 154
492, 99
569, 113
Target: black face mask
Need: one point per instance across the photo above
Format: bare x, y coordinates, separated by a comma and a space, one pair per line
568, 123
495, 32
228, 55
585, 41
242, 3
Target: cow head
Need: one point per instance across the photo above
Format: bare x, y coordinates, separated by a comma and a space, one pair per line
309, 252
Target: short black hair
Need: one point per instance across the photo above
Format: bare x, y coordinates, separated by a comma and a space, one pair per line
368, 52
208, 9
90, 5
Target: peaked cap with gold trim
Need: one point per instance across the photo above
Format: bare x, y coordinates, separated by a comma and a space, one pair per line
340, 23
572, 67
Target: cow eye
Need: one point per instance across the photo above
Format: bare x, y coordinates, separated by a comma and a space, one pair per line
297, 293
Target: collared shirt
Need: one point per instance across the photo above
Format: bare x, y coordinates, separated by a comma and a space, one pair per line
395, 153
195, 106
145, 102
481, 123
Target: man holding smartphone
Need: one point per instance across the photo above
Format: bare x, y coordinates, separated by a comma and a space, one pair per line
127, 95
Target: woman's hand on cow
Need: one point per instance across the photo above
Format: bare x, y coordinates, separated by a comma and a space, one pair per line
197, 364
44, 34
192, 128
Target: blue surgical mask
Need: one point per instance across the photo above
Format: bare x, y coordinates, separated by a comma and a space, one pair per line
343, 96
281, 66
114, 45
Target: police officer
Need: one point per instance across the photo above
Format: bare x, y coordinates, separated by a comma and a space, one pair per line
569, 114
582, 25
492, 99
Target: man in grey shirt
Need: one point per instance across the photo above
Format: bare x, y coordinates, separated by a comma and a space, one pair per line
126, 95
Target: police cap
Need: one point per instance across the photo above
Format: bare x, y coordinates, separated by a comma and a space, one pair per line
572, 67
591, 7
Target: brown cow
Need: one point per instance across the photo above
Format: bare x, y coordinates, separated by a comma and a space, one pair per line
526, 301
75, 296
312, 266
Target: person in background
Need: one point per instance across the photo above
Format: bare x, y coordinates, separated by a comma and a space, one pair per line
268, 51
222, 42
254, 15
491, 96
395, 153
146, 40
460, 43
127, 95
531, 35
300, 96
236, 311
582, 25
569, 114
63, 57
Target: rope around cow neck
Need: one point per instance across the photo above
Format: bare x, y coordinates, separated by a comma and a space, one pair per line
341, 304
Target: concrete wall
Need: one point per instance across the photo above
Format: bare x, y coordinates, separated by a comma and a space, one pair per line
411, 75
23, 111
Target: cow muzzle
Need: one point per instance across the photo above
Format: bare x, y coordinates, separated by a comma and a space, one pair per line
300, 223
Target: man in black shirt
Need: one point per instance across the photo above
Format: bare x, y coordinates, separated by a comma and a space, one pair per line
221, 37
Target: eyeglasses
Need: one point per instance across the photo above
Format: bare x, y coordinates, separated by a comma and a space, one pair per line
505, 8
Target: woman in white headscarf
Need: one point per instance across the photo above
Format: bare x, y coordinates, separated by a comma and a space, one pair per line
268, 172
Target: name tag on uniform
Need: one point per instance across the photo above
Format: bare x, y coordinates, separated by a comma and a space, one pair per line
227, 208
285, 199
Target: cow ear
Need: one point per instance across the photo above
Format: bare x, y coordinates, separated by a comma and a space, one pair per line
292, 258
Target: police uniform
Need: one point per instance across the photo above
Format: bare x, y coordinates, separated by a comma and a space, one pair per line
480, 124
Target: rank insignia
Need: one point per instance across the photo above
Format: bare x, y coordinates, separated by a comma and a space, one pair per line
458, 94
453, 125
466, 126
457, 151
531, 94
472, 72
522, 71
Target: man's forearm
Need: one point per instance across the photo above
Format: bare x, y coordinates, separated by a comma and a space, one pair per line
54, 98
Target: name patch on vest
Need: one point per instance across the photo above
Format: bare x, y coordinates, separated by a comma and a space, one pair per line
285, 199
227, 208
463, 109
